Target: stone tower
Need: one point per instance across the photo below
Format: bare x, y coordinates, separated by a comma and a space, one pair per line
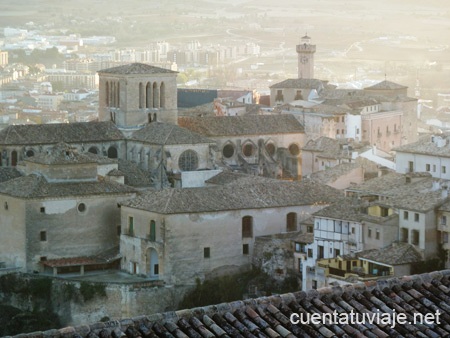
137, 93
305, 53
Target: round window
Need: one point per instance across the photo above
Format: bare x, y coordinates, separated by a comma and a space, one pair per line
294, 149
228, 151
81, 207
248, 149
30, 153
270, 148
188, 161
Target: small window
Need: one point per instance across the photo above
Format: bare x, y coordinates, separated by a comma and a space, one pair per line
118, 230
270, 148
377, 234
309, 229
434, 168
444, 169
188, 161
43, 236
228, 151
405, 215
206, 252
248, 149
416, 217
310, 253
152, 235
6, 206
415, 237
247, 227
427, 167
130, 225
314, 284
43, 258
369, 233
444, 220
353, 230
42, 210
81, 207
294, 149
245, 249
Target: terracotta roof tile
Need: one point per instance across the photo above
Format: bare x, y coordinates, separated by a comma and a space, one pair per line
136, 68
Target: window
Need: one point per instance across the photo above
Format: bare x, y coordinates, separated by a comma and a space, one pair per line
245, 249
291, 222
81, 207
309, 229
434, 168
415, 237
228, 151
314, 284
377, 234
270, 148
310, 253
42, 210
118, 230
152, 235
427, 167
206, 252
337, 131
353, 230
444, 220
248, 149
43, 258
321, 252
444, 169
294, 149
337, 252
369, 233
188, 161
130, 225
6, 206
384, 212
416, 217
43, 236
156, 269
405, 215
404, 235
247, 227
342, 119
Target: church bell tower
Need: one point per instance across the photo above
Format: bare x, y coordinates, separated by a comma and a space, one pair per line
305, 51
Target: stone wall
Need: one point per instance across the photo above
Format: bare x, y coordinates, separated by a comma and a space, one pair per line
64, 298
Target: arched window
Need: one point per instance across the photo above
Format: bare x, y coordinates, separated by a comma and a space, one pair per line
228, 150
112, 152
13, 158
141, 96
93, 150
247, 227
188, 161
162, 95
148, 96
291, 222
155, 95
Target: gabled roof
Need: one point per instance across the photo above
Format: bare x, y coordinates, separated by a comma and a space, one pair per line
327, 148
300, 84
168, 134
270, 316
61, 153
35, 186
81, 132
394, 254
383, 85
242, 125
136, 68
426, 146
257, 195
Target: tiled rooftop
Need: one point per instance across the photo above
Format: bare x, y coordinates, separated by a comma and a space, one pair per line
35, 186
255, 195
427, 147
332, 174
396, 253
133, 175
82, 132
300, 83
348, 210
242, 125
135, 68
228, 177
327, 147
62, 153
386, 85
168, 134
7, 173
270, 316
